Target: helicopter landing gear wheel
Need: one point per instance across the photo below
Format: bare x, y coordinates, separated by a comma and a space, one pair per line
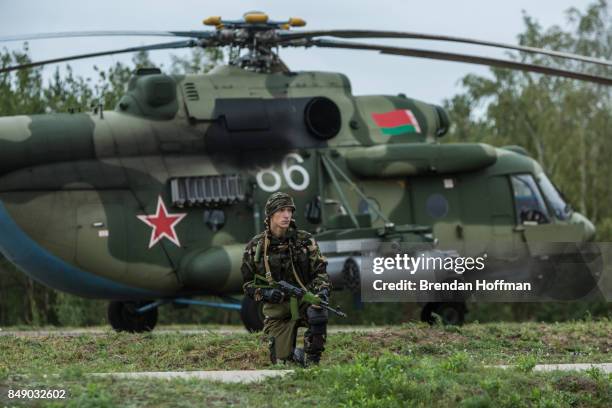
122, 316
451, 313
351, 275
252, 315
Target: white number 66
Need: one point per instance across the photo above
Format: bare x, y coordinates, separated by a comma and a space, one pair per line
287, 173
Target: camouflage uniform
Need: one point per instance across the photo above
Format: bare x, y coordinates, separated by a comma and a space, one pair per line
295, 258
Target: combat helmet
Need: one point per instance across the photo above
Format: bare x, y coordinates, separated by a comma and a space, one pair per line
277, 201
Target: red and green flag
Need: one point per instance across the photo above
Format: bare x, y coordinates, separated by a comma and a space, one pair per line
397, 122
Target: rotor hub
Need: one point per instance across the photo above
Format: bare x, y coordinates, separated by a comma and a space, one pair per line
251, 40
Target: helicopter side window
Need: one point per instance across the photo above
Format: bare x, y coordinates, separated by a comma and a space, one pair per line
528, 201
555, 198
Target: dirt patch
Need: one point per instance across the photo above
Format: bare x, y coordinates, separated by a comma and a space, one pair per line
432, 335
570, 342
573, 383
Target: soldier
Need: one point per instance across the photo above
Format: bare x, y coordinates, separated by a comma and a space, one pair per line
282, 252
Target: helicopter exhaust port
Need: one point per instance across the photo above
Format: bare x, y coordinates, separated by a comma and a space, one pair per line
322, 118
257, 123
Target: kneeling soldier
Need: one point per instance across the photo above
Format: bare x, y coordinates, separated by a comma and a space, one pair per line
282, 252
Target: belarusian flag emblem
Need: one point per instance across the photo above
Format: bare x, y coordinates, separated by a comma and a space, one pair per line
397, 122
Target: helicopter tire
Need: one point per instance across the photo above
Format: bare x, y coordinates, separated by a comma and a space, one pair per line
252, 315
451, 313
122, 316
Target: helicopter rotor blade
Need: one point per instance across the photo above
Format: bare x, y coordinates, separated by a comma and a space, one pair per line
69, 34
470, 59
163, 46
286, 36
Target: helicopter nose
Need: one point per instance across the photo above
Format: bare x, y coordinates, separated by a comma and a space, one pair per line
587, 225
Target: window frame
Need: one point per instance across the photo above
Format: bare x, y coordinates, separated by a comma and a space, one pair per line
566, 214
517, 216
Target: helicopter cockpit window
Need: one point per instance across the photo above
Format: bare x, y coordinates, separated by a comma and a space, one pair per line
560, 207
530, 206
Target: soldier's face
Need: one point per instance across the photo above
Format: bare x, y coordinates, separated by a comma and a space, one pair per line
281, 218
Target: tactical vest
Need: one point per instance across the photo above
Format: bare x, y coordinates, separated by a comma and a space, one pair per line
286, 258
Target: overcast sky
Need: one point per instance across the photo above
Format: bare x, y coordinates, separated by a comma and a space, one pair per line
369, 72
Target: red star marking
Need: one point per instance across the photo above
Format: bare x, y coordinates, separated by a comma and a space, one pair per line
163, 224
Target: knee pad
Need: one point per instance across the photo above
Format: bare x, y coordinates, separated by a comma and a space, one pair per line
316, 316
317, 320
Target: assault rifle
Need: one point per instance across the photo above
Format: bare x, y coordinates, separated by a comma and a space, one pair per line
306, 296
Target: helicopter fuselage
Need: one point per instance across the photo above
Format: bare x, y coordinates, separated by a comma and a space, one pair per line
157, 198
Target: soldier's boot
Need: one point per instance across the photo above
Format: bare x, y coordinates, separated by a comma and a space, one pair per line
314, 347
299, 357
294, 357
272, 349
316, 335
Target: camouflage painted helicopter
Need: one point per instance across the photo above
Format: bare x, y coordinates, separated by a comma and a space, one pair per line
152, 203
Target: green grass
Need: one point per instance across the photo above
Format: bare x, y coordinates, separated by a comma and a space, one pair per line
413, 364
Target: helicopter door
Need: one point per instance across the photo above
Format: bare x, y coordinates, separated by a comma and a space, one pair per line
504, 239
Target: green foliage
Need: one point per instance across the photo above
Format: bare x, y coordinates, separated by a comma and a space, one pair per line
398, 381
75, 311
498, 343
412, 385
25, 92
72, 372
596, 374
364, 368
93, 395
4, 373
457, 362
200, 61
375, 382
525, 363
20, 92
540, 312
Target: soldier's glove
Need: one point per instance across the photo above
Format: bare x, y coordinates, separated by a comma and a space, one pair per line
323, 294
272, 295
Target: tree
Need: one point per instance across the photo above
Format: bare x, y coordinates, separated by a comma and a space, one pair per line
202, 60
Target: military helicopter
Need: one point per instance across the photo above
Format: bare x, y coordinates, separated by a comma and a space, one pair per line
152, 203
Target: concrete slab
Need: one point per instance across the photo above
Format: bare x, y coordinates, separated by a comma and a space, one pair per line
235, 376
250, 376
605, 367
